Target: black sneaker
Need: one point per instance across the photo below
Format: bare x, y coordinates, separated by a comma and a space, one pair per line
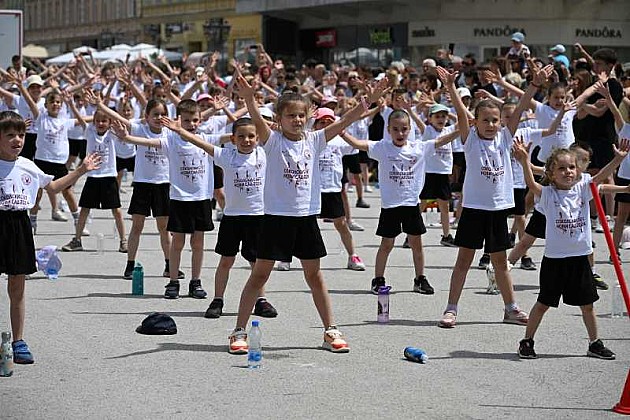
448, 240
484, 262
406, 243
376, 283
195, 290
512, 240
215, 310
599, 350
362, 204
526, 349
599, 282
421, 285
265, 309
528, 264
171, 290
167, 274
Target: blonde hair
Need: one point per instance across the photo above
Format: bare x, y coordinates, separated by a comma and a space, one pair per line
552, 162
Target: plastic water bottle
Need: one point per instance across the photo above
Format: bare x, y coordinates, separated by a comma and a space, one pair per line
382, 314
416, 354
53, 267
137, 280
616, 302
6, 355
100, 243
254, 354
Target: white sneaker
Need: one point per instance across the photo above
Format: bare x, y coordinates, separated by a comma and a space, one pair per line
283, 266
598, 227
352, 225
57, 216
350, 188
356, 263
368, 189
63, 206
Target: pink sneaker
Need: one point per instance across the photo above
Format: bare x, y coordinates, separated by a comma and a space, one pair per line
448, 320
356, 263
517, 317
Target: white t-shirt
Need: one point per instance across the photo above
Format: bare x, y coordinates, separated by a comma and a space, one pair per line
401, 170
441, 160
624, 168
331, 166
20, 104
190, 173
244, 180
359, 129
77, 132
123, 149
488, 184
151, 162
414, 132
52, 138
216, 124
104, 146
568, 228
529, 135
292, 180
19, 181
562, 138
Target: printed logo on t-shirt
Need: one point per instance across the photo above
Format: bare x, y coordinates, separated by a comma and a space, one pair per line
248, 182
154, 156
300, 176
193, 167
103, 152
11, 197
27, 179
492, 169
570, 222
402, 174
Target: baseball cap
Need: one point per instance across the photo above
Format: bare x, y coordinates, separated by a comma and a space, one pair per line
265, 112
157, 323
324, 113
438, 108
328, 100
34, 80
464, 92
559, 48
518, 37
203, 96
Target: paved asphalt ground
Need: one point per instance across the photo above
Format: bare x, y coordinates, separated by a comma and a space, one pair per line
90, 362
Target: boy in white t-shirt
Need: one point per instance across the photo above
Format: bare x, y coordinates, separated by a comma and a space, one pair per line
190, 175
565, 270
401, 178
20, 181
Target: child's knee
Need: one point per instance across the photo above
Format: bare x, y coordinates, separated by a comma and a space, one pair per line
387, 244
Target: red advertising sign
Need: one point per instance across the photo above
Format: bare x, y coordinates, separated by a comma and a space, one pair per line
326, 39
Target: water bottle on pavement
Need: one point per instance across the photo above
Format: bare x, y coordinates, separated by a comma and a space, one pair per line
137, 280
53, 267
100, 243
254, 354
616, 302
382, 315
416, 354
6, 355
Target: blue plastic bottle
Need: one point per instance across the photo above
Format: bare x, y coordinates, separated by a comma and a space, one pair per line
254, 354
137, 280
416, 354
53, 267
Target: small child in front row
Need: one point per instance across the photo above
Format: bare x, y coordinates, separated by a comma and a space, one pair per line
401, 178
191, 181
20, 180
101, 186
244, 170
565, 270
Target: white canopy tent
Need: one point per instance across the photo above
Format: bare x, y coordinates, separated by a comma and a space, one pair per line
117, 52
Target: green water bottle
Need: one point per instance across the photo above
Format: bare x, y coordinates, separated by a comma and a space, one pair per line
137, 280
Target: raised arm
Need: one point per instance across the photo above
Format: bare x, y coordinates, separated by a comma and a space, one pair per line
67, 98
408, 106
448, 80
620, 154
526, 100
175, 126
354, 142
245, 91
120, 130
602, 89
521, 153
95, 99
90, 163
446, 138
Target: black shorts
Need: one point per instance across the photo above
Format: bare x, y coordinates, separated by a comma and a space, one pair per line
218, 176
332, 206
622, 197
485, 229
519, 202
436, 186
17, 254
395, 220
189, 216
78, 147
537, 225
363, 157
149, 199
235, 231
100, 193
125, 163
351, 163
57, 170
30, 145
282, 237
569, 277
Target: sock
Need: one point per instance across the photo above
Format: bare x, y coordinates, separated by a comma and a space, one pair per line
511, 307
130, 265
75, 216
218, 298
591, 342
261, 298
451, 307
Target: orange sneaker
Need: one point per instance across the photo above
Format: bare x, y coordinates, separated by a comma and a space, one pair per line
334, 341
238, 342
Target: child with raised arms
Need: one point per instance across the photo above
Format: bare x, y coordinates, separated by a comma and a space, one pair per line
190, 192
488, 197
244, 168
20, 181
565, 270
401, 178
292, 202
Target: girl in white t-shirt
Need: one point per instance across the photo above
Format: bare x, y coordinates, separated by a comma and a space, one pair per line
488, 197
401, 178
125, 152
292, 202
565, 270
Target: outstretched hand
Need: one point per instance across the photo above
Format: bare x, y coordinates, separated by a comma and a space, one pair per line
91, 162
622, 150
447, 77
119, 129
520, 150
243, 88
173, 125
